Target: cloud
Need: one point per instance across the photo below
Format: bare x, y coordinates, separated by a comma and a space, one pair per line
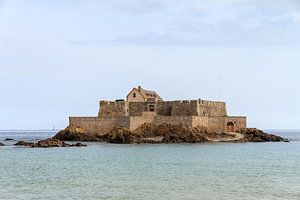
214, 22
137, 6
203, 22
156, 22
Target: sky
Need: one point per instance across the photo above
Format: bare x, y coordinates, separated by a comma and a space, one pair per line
59, 58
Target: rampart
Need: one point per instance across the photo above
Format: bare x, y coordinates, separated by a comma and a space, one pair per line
99, 125
113, 109
135, 122
192, 113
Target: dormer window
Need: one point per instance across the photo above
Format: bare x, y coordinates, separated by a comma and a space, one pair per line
134, 95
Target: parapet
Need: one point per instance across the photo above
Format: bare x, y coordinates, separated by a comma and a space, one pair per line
211, 103
113, 109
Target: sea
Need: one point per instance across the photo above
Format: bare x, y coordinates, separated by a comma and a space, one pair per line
208, 171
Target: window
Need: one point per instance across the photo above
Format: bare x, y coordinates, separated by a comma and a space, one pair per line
134, 95
151, 108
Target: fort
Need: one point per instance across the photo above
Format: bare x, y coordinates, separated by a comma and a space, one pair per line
144, 106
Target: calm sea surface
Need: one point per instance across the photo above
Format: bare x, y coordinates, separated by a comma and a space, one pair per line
178, 171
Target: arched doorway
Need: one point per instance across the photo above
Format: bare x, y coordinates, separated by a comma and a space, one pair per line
230, 127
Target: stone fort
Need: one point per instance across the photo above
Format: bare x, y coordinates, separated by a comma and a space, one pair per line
145, 106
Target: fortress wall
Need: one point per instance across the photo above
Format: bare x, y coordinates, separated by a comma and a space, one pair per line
137, 121
90, 124
200, 121
137, 108
185, 108
212, 108
113, 109
239, 122
219, 123
106, 124
174, 120
123, 122
164, 108
93, 124
180, 108
216, 123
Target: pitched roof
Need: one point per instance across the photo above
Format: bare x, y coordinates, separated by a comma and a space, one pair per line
148, 93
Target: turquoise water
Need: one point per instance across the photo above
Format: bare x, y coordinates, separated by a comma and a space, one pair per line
178, 171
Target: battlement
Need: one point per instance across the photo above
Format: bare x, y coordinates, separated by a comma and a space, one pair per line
116, 102
180, 102
113, 109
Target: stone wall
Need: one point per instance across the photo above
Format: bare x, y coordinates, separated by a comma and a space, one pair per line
199, 121
239, 122
137, 121
94, 124
104, 125
219, 123
192, 108
212, 108
174, 120
164, 108
138, 108
216, 123
185, 108
123, 122
113, 109
91, 124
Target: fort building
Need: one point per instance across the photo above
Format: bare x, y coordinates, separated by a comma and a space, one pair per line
145, 106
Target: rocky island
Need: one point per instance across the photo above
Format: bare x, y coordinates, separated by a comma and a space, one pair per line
166, 133
144, 117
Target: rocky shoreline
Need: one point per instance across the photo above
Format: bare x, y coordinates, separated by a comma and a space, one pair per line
166, 133
151, 133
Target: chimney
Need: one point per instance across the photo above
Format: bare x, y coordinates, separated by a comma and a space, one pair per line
139, 88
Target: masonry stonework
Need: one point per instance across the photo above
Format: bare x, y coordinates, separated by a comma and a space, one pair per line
144, 106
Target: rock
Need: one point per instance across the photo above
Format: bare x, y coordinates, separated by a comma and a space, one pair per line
73, 133
122, 136
23, 143
256, 135
152, 140
1, 144
50, 142
78, 144
9, 139
171, 133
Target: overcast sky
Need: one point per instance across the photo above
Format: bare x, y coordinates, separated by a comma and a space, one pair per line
59, 58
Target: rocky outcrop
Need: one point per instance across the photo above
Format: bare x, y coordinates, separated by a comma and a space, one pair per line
256, 135
170, 133
50, 142
1, 144
122, 136
73, 133
23, 143
166, 133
